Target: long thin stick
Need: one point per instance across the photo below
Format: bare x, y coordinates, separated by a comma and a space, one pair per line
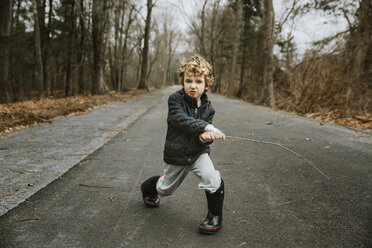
285, 148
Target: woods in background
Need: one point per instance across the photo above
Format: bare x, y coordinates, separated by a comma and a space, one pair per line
68, 47
239, 38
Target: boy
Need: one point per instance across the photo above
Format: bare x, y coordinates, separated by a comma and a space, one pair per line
189, 134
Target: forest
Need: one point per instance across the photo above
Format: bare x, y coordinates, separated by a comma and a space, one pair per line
63, 48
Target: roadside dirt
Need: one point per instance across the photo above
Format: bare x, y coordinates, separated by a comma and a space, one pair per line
20, 115
348, 120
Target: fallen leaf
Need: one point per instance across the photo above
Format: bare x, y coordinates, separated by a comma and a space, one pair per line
269, 123
30, 184
112, 197
84, 162
326, 147
231, 191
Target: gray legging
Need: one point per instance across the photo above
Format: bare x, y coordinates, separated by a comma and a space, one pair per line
175, 174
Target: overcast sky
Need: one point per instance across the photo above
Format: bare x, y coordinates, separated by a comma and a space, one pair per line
307, 29
311, 27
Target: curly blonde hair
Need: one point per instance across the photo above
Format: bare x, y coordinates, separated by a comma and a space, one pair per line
197, 66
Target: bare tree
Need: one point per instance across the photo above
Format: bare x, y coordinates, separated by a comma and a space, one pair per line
214, 33
47, 44
98, 32
142, 81
39, 74
124, 48
268, 59
198, 28
80, 56
247, 15
5, 27
237, 20
173, 43
70, 19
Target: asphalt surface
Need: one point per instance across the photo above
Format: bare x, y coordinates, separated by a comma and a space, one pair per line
32, 158
273, 198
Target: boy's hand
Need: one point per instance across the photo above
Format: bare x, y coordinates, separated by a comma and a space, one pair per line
209, 136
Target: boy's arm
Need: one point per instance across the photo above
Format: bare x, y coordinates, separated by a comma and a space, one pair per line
180, 120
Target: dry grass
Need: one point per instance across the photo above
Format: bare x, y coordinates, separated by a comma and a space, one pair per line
327, 87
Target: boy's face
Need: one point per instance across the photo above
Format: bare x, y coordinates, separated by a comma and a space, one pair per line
194, 85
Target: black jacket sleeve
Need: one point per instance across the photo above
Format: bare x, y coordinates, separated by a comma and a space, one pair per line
211, 115
180, 120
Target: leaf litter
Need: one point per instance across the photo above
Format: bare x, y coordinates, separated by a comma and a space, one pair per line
20, 115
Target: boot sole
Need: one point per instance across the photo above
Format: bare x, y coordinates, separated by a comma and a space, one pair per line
206, 230
149, 205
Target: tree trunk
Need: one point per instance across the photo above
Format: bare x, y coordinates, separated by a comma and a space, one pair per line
125, 56
171, 49
213, 36
202, 30
362, 40
15, 22
244, 40
119, 65
268, 59
80, 56
142, 81
46, 59
39, 71
71, 19
220, 64
236, 41
5, 27
166, 39
44, 42
98, 32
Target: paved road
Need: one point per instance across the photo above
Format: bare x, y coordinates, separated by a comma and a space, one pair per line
32, 158
273, 198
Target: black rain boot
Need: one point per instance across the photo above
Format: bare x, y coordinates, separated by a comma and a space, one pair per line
213, 222
149, 194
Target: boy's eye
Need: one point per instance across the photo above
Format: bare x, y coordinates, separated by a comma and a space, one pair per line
198, 81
